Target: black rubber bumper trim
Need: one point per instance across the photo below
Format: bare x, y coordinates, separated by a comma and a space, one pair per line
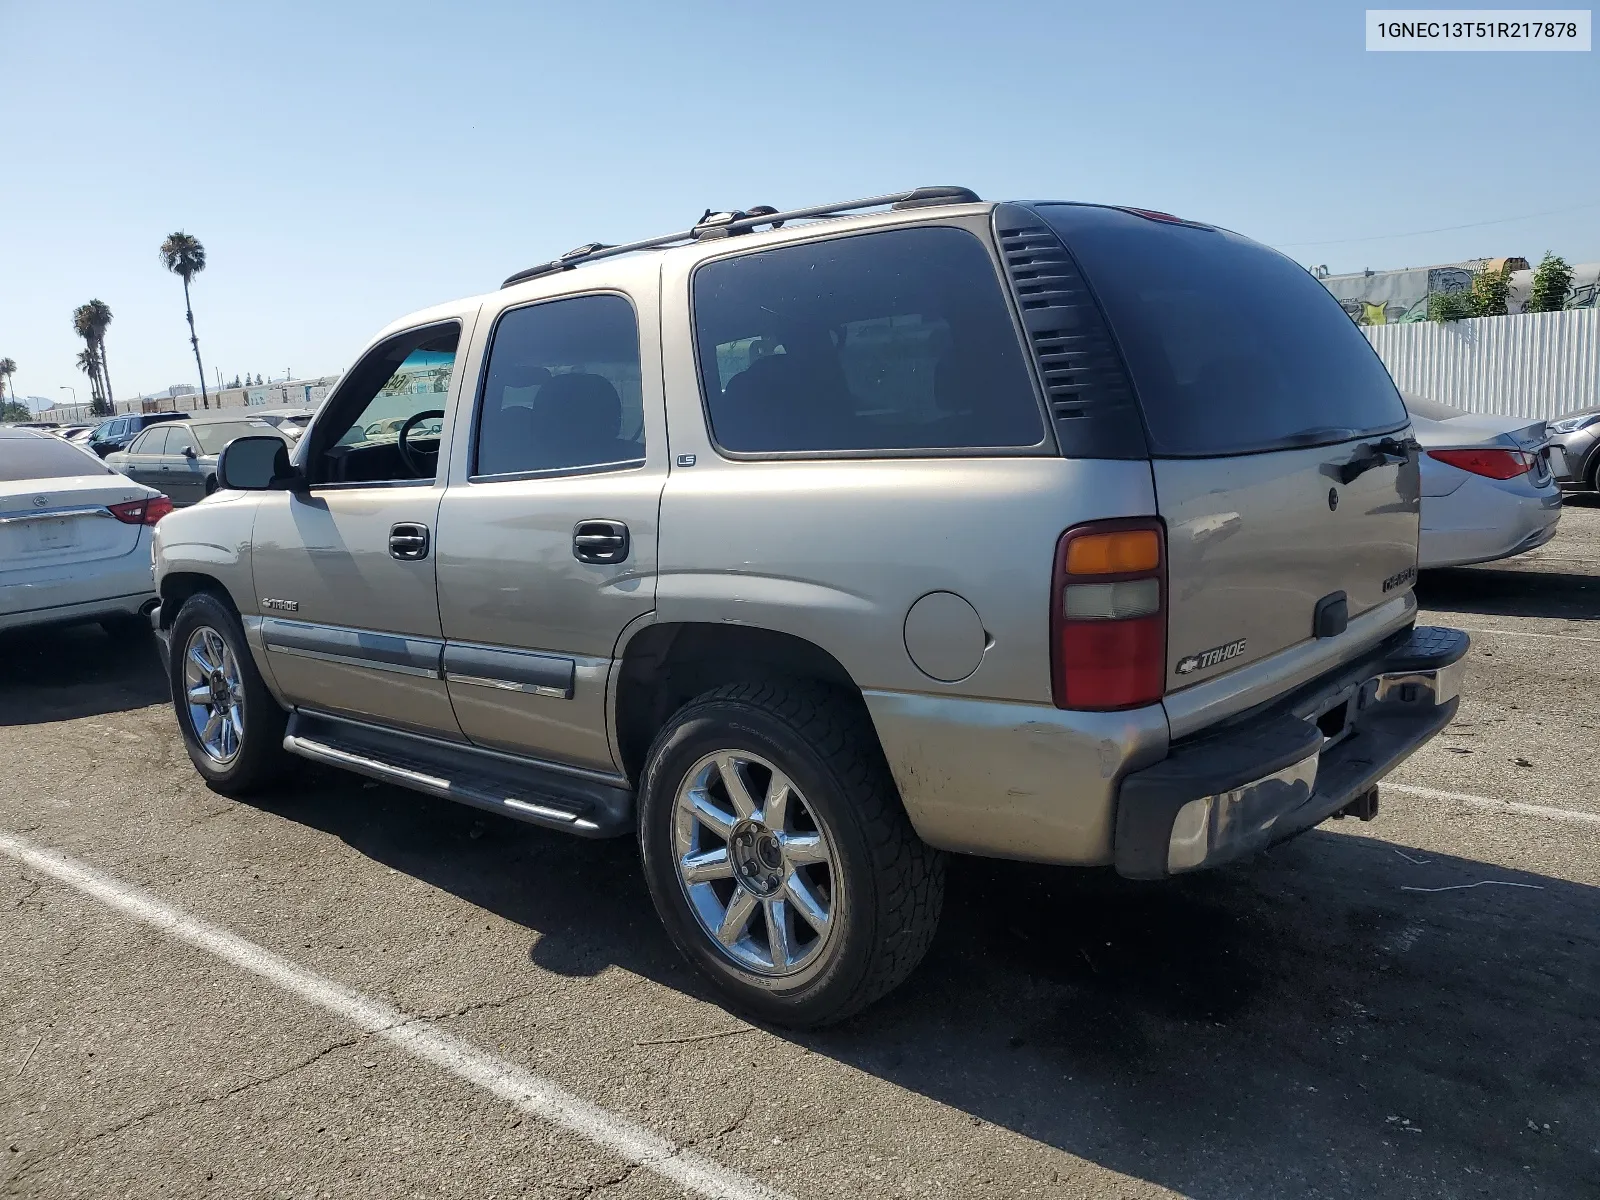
1215, 762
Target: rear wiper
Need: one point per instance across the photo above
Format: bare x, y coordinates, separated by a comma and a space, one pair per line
1384, 450
1322, 435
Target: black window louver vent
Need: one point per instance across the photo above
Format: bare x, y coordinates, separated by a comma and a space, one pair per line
1084, 380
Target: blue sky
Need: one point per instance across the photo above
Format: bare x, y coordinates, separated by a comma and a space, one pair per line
345, 163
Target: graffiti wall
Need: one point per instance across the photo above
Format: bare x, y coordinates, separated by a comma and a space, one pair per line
1400, 297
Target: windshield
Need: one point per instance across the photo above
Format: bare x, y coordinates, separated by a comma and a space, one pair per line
1232, 348
213, 437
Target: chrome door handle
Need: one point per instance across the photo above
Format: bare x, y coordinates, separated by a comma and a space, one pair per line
408, 541
600, 541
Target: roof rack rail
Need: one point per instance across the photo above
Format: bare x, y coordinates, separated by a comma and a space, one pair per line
733, 222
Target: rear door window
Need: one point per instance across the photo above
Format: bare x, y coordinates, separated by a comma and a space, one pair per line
151, 441
1232, 347
563, 390
879, 342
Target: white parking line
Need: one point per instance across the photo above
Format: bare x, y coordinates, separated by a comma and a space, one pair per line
533, 1094
1567, 816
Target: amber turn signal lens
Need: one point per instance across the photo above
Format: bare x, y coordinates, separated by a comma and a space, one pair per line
1114, 553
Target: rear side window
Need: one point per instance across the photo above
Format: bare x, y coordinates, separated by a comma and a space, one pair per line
45, 458
893, 341
1232, 347
563, 389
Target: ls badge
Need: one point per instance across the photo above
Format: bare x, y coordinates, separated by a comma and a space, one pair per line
1191, 663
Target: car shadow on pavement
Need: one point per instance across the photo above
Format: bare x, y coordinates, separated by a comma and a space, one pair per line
1511, 592
61, 673
1301, 1024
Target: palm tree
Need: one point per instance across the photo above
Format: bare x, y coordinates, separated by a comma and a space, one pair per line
91, 321
183, 255
89, 364
8, 368
83, 321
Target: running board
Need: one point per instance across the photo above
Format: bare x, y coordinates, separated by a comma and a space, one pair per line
522, 789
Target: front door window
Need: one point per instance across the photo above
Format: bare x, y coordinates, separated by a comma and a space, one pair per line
388, 415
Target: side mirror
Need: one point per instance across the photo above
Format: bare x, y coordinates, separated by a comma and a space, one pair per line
257, 464
188, 452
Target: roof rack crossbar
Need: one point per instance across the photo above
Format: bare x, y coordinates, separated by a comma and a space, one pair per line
915, 198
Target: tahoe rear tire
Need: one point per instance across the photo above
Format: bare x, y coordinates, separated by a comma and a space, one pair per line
779, 856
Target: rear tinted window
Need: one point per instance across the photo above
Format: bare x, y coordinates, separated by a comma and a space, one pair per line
1232, 347
879, 342
45, 458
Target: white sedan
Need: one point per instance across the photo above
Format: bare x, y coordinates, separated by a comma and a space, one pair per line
1488, 490
74, 537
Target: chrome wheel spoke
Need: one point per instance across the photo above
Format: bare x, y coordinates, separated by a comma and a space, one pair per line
778, 939
804, 849
197, 660
734, 784
705, 810
706, 866
806, 902
775, 807
737, 919
200, 693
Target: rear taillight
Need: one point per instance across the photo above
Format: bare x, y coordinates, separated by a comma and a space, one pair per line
1492, 464
141, 512
1108, 618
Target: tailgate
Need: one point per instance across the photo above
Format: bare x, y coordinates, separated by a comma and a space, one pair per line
1255, 542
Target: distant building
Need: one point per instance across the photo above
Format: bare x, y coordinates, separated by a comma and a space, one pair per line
287, 393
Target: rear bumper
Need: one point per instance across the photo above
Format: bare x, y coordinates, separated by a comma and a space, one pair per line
1484, 521
1271, 774
83, 611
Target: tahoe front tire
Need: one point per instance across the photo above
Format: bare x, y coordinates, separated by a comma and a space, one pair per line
231, 725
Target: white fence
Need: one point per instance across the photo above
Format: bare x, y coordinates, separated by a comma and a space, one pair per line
1532, 365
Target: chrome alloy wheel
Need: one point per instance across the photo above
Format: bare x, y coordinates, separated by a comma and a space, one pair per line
756, 865
213, 695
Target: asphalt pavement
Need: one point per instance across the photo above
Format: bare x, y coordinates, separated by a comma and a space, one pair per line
344, 989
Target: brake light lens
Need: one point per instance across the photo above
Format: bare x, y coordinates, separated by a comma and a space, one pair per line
141, 512
1491, 464
1108, 619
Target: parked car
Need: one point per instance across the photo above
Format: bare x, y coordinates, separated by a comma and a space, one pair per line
1576, 436
46, 425
74, 537
180, 457
116, 434
74, 433
950, 551
1488, 490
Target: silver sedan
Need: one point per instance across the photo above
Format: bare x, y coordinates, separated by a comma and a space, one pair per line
1488, 491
